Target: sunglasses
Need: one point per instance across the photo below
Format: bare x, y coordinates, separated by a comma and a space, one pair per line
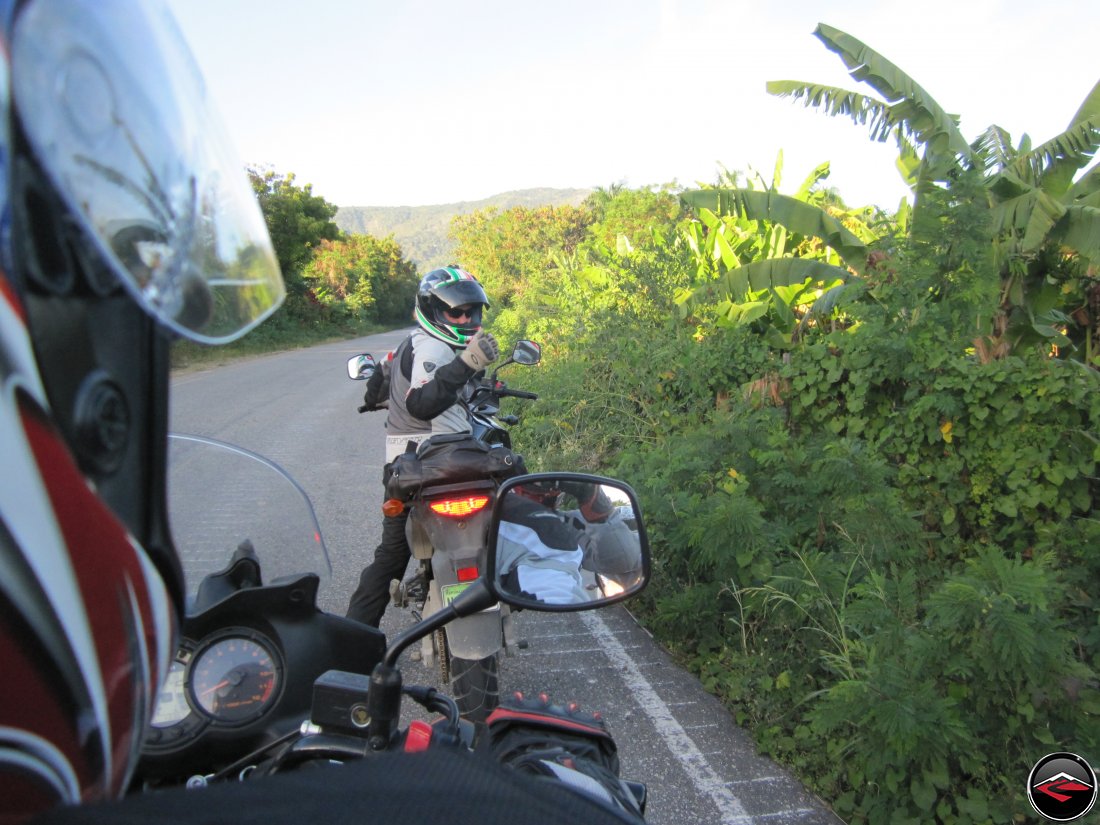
460, 313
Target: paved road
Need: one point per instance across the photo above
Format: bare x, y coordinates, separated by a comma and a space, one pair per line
298, 409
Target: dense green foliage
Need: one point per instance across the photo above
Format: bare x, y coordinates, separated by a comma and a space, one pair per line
331, 277
874, 530
1044, 200
365, 277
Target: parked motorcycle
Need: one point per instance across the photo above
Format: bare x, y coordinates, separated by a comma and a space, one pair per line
264, 682
449, 514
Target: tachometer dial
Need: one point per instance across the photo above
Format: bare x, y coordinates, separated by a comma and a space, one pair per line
234, 678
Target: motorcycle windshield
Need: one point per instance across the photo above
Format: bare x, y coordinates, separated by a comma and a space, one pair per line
221, 495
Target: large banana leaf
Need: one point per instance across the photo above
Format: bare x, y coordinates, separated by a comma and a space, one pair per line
1024, 210
908, 161
923, 117
768, 274
797, 216
805, 191
1054, 163
1086, 192
1030, 211
994, 148
1060, 177
1082, 231
862, 109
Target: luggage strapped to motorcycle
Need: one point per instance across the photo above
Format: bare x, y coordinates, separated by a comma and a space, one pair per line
450, 458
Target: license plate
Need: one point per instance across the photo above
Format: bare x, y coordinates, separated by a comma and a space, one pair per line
450, 592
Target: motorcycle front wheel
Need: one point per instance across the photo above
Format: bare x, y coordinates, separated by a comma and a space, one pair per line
475, 684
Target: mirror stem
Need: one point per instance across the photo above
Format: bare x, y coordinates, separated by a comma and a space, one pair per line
476, 597
417, 632
499, 367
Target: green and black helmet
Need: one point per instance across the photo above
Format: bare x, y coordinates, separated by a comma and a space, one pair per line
441, 292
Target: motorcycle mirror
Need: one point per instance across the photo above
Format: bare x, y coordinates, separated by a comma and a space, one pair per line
361, 366
527, 353
565, 542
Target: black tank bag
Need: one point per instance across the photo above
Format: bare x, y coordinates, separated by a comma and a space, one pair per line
449, 458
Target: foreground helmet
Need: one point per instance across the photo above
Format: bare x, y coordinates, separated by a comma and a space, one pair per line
444, 289
546, 493
125, 222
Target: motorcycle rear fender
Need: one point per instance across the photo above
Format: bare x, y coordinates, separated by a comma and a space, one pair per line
417, 537
470, 637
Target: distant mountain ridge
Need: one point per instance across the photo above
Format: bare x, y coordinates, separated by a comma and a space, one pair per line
422, 230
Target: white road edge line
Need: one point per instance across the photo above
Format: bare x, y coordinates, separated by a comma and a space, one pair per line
695, 765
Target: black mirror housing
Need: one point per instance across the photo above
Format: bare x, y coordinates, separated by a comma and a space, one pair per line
361, 366
527, 353
562, 542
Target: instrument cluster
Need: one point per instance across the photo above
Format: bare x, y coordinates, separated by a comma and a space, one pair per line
226, 680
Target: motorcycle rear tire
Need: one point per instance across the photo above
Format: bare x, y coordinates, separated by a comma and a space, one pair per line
475, 684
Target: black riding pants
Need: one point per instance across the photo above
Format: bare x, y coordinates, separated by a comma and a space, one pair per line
391, 557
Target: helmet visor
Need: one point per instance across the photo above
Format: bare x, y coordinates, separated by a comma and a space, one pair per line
120, 120
460, 293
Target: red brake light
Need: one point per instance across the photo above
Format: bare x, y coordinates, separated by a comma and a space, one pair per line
459, 507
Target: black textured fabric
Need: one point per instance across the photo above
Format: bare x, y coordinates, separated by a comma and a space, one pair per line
369, 601
431, 788
552, 528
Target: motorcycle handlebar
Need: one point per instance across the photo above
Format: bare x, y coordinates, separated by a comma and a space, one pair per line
517, 394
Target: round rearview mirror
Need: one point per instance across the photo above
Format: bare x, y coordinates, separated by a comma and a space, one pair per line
361, 366
527, 353
566, 541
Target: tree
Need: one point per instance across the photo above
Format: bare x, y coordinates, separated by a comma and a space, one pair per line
297, 219
369, 276
762, 254
508, 251
1045, 227
631, 214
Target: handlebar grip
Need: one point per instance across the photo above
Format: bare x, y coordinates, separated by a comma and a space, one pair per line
521, 394
363, 408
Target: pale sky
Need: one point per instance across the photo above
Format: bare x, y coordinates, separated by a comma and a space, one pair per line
412, 102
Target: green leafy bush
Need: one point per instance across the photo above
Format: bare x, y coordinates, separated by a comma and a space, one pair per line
874, 540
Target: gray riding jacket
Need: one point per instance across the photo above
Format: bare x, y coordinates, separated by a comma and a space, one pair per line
424, 402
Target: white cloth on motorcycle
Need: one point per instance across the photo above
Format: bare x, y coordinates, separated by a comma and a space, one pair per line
449, 458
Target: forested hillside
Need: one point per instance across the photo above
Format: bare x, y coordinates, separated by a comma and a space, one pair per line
423, 231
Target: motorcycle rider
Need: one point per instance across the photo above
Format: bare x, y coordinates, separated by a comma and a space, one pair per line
545, 549
539, 547
126, 223
427, 372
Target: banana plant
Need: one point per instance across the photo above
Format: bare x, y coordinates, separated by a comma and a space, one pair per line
770, 255
1045, 213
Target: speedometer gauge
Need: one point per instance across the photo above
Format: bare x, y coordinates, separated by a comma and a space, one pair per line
235, 678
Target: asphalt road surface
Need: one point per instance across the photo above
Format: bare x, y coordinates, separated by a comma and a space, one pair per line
299, 409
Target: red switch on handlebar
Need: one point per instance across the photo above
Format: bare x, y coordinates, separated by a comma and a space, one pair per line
419, 737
